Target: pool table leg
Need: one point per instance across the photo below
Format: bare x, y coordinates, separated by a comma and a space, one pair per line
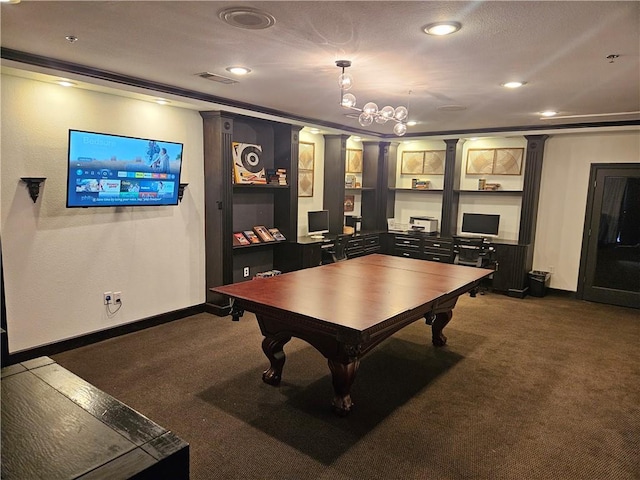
441, 320
273, 346
342, 377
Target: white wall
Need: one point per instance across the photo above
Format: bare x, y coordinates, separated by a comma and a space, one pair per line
58, 261
563, 197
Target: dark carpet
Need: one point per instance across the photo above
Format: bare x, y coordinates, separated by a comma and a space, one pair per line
534, 388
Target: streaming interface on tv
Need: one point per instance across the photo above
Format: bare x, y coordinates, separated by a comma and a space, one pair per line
110, 170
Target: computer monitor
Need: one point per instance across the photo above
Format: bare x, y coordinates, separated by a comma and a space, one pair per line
318, 223
480, 224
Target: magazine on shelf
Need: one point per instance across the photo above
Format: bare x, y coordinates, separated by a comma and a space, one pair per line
251, 236
277, 234
263, 233
240, 239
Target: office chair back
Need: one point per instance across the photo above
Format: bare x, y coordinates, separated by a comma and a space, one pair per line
339, 251
474, 252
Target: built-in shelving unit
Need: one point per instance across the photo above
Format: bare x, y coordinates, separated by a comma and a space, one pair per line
231, 207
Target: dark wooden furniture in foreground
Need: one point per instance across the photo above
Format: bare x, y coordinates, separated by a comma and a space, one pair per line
347, 308
56, 425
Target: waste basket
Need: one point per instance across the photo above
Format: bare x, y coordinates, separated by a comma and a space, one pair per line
538, 283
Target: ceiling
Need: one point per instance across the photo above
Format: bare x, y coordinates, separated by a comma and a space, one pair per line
450, 84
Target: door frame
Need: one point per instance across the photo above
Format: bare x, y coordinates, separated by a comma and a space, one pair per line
588, 229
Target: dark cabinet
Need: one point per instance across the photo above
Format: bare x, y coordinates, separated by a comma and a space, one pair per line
233, 207
416, 245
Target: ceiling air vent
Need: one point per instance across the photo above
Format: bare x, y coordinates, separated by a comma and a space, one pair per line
217, 78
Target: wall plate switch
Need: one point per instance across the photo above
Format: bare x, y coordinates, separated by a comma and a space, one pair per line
117, 298
108, 298
245, 272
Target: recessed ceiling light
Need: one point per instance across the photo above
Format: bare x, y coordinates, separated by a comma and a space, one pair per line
356, 138
315, 131
71, 38
548, 113
442, 28
10, 1
65, 83
473, 139
237, 70
411, 123
513, 84
162, 101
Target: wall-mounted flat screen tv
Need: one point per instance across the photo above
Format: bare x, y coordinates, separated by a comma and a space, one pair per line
107, 170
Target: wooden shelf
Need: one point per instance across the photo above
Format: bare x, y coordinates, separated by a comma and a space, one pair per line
359, 189
258, 186
492, 192
418, 190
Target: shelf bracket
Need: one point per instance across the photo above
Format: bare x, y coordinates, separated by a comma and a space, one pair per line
181, 188
33, 183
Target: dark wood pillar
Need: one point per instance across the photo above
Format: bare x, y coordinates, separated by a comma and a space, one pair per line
531, 188
335, 155
451, 194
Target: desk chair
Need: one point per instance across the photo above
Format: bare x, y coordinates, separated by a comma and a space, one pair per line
473, 252
336, 252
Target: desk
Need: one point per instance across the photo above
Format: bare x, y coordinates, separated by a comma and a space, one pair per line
345, 309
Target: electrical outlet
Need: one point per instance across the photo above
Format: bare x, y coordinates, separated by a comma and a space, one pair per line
245, 272
117, 298
108, 298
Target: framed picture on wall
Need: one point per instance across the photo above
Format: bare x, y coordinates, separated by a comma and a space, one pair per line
354, 161
412, 163
349, 203
434, 162
306, 165
480, 161
508, 161
495, 161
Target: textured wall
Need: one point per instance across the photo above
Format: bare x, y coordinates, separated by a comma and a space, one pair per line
59, 261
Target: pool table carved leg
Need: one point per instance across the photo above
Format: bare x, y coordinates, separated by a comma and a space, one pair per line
273, 348
441, 320
342, 377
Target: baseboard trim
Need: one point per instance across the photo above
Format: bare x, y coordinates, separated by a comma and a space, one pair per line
77, 342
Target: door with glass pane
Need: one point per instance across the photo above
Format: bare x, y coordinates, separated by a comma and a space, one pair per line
610, 260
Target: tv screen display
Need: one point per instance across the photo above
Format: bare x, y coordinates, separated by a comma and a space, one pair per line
112, 171
480, 224
318, 222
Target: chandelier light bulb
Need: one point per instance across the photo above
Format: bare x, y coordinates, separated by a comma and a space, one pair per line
370, 108
349, 100
387, 112
345, 81
400, 129
381, 119
365, 119
400, 113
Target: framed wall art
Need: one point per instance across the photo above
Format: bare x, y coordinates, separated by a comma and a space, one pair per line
495, 161
422, 162
354, 161
306, 163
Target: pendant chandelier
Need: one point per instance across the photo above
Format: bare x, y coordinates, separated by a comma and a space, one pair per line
369, 113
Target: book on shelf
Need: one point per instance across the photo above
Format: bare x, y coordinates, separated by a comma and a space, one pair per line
350, 181
420, 184
240, 239
251, 236
276, 176
263, 233
277, 234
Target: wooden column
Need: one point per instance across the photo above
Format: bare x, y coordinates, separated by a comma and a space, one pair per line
531, 188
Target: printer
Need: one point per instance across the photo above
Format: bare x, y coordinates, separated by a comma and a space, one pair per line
424, 224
